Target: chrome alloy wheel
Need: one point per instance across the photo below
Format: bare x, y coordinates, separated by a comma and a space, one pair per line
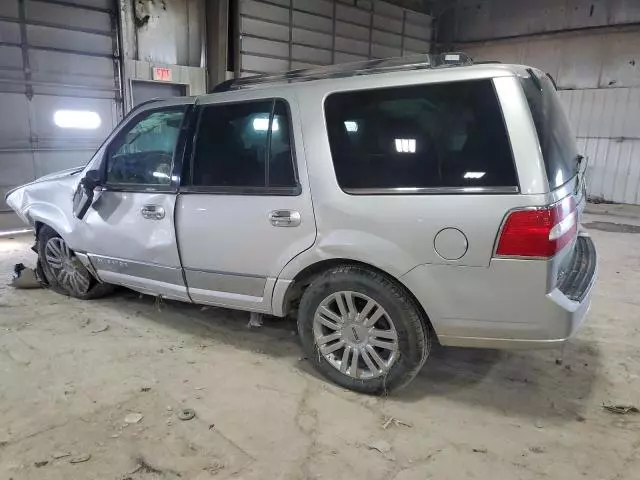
355, 335
69, 272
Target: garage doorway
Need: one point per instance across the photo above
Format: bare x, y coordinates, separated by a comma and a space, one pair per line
59, 88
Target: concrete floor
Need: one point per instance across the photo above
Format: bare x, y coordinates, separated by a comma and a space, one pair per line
71, 371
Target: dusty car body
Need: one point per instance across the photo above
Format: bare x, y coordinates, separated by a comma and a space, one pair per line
384, 204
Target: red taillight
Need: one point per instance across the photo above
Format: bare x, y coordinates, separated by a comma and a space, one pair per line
540, 232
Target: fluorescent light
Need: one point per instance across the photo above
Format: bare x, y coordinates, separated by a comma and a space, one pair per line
8, 233
405, 145
82, 119
351, 126
474, 175
261, 124
160, 175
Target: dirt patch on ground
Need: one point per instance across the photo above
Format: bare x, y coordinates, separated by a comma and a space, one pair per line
68, 384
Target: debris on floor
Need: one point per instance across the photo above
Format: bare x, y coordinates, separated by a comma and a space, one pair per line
133, 418
101, 329
381, 446
621, 409
255, 320
186, 414
80, 458
393, 421
24, 277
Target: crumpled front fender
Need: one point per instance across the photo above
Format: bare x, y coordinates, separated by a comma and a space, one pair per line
45, 202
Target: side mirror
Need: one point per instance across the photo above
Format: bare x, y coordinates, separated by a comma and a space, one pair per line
83, 196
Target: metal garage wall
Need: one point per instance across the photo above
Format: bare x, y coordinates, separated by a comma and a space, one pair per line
54, 55
280, 35
592, 49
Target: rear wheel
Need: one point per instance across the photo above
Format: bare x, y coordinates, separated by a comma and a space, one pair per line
362, 330
63, 270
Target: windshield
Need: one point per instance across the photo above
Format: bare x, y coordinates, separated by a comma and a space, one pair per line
554, 133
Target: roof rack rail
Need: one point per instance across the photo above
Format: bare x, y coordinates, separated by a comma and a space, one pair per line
367, 67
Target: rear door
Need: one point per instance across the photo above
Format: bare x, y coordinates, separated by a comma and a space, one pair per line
244, 210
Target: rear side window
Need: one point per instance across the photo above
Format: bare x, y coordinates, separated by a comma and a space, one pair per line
244, 146
554, 133
420, 137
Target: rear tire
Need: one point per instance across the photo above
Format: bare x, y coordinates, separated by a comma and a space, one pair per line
63, 271
362, 330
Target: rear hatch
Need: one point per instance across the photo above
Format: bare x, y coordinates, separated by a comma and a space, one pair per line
573, 263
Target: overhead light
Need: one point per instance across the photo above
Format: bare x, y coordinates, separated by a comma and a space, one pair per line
474, 175
261, 124
82, 119
351, 126
160, 175
405, 145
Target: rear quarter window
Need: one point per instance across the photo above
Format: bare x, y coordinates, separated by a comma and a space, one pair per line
420, 137
557, 141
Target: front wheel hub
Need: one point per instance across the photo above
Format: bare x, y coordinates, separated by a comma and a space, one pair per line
67, 270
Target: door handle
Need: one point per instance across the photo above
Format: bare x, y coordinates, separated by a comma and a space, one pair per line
284, 218
152, 212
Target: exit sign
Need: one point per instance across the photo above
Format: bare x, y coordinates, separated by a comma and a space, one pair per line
162, 74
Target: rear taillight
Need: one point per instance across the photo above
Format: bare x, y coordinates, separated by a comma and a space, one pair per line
538, 232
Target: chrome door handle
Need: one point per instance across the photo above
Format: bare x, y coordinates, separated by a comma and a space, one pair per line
284, 218
152, 212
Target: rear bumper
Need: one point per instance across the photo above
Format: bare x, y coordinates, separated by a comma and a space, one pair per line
507, 305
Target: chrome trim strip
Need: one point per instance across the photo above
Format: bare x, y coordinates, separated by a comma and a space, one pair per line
431, 190
220, 272
133, 268
84, 258
239, 284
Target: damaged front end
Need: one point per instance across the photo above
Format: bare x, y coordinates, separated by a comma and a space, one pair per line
46, 200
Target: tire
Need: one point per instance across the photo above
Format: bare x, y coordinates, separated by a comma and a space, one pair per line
63, 272
398, 325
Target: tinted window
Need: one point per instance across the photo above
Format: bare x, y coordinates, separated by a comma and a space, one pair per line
441, 135
142, 154
244, 145
554, 133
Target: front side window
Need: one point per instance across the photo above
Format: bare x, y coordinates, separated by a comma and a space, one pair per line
142, 154
426, 136
244, 146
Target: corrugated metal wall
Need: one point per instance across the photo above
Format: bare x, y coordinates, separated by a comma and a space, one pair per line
280, 35
597, 70
607, 124
54, 55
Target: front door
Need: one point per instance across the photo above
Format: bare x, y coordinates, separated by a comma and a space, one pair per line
129, 232
244, 210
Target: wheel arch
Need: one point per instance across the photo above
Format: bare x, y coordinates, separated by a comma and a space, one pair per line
291, 291
51, 216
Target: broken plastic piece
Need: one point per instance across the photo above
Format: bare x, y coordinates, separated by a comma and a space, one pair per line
24, 277
255, 320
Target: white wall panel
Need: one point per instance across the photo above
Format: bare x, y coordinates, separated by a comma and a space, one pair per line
322, 32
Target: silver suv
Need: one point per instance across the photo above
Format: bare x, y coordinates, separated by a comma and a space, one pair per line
385, 204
